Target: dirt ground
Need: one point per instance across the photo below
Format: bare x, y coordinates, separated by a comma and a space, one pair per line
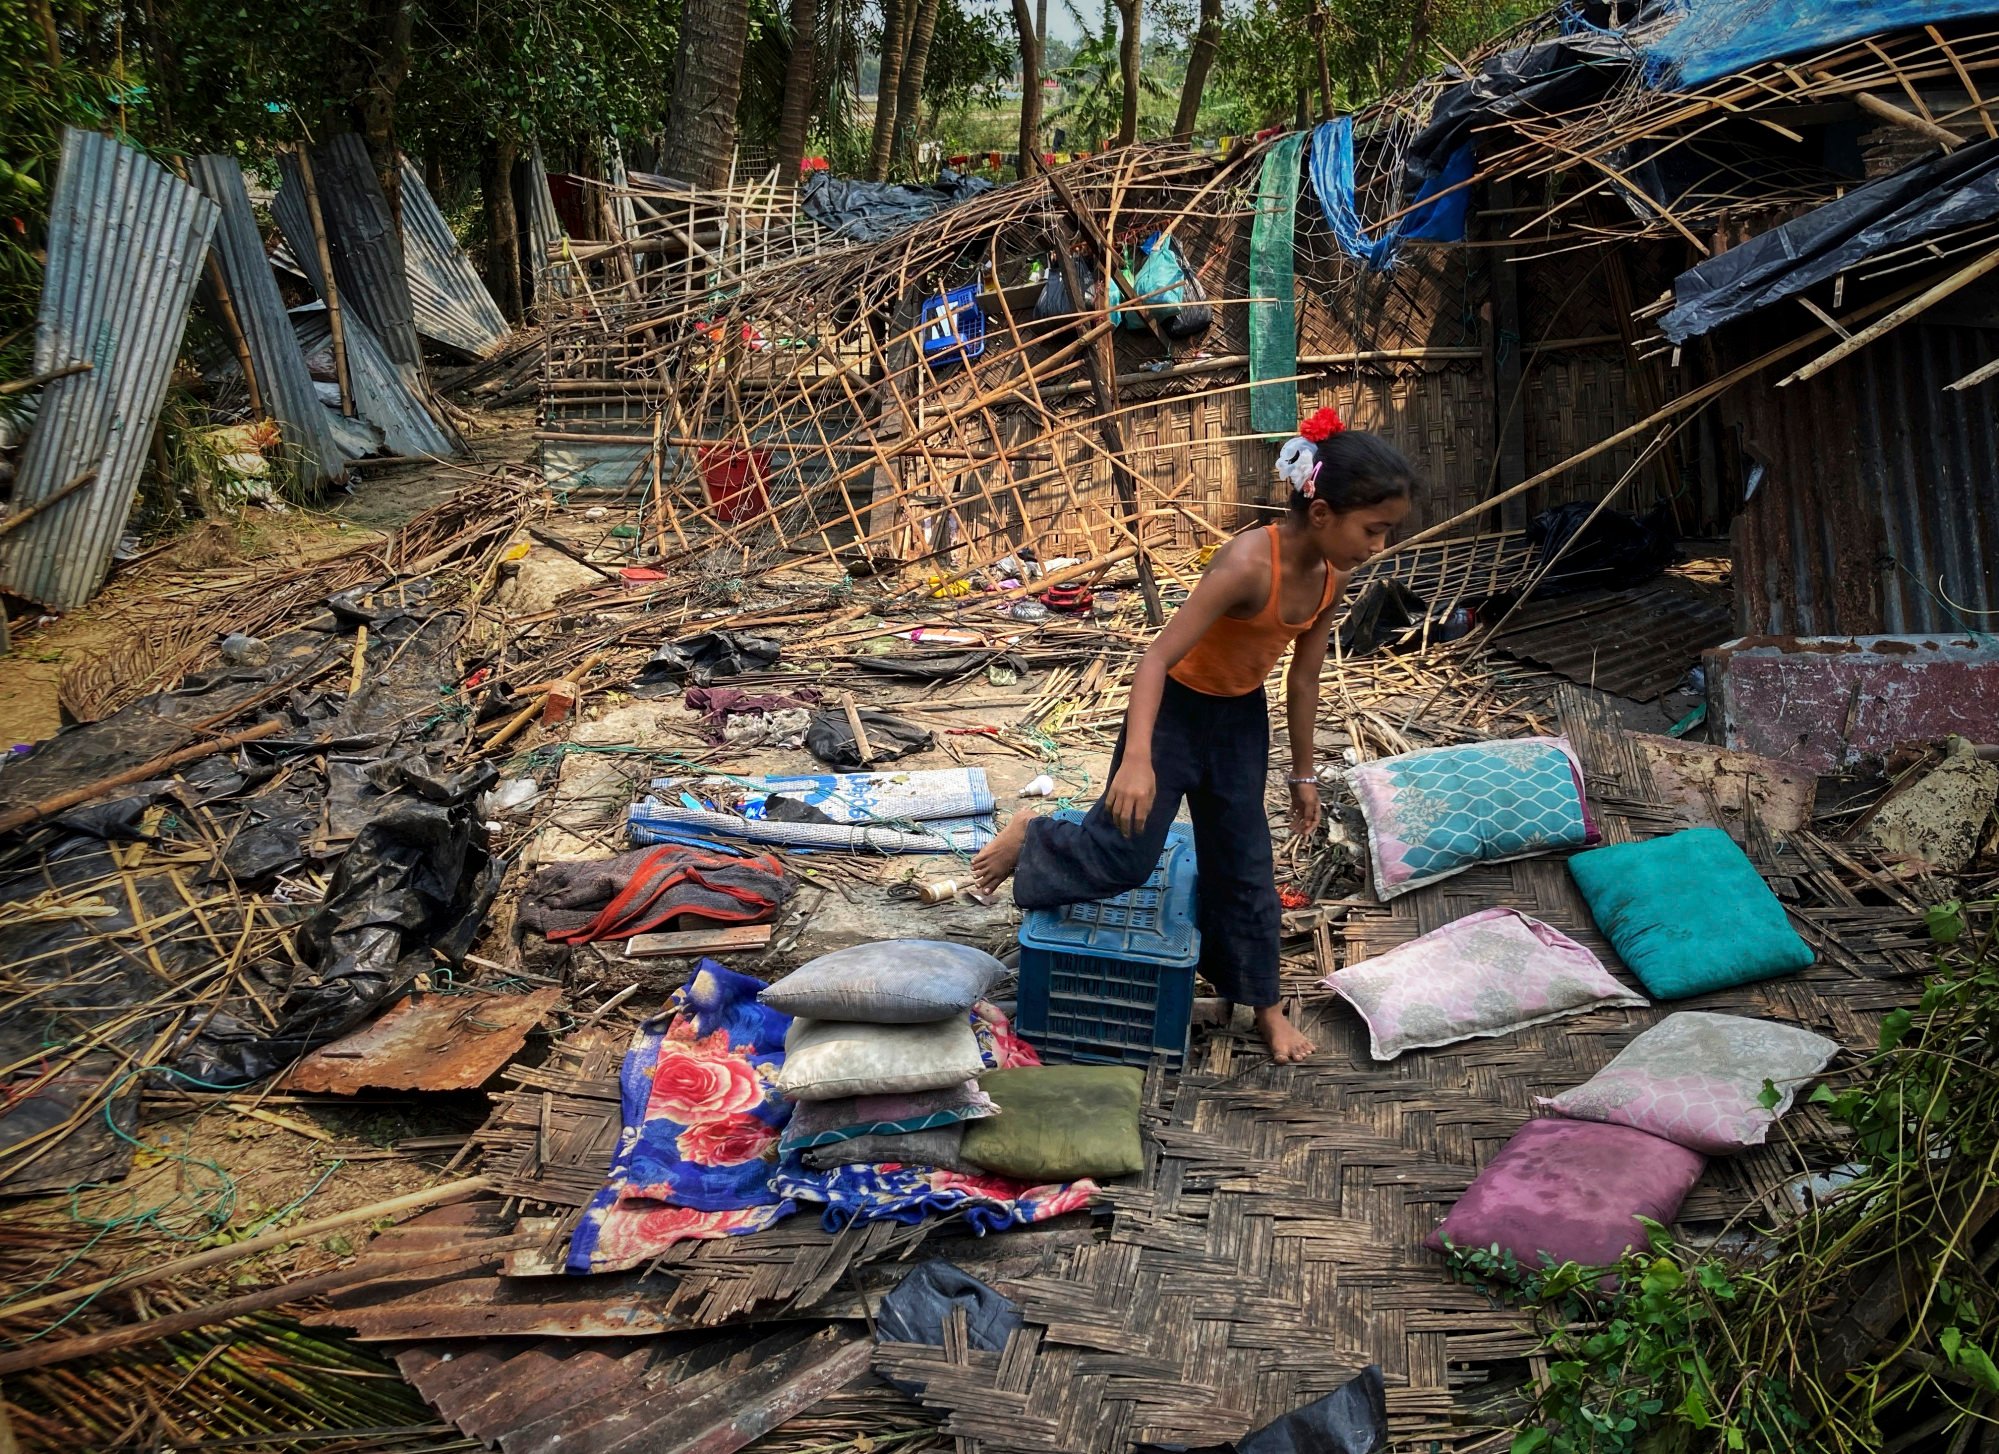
379, 499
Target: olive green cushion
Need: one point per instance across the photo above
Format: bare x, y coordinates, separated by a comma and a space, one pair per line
1059, 1122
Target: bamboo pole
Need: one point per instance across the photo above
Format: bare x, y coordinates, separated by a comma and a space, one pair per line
452, 1191
34, 812
320, 246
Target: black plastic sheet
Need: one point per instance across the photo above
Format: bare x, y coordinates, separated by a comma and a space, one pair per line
830, 739
1956, 190
870, 211
1617, 549
940, 666
1542, 79
705, 658
1352, 1419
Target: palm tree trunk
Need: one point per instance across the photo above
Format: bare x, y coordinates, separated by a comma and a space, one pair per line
909, 90
896, 18
1127, 64
800, 86
707, 83
1200, 60
1030, 86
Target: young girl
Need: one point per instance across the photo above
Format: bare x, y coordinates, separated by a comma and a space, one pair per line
1198, 727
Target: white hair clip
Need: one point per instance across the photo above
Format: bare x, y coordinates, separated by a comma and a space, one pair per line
1298, 464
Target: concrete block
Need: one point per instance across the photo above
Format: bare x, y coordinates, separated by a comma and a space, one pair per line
1823, 702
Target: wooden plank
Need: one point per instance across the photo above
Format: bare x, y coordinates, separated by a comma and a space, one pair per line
734, 938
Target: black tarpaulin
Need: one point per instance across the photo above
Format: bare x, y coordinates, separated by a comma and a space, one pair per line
1956, 190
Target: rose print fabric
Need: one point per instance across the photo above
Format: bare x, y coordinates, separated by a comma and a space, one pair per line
701, 1123
1434, 813
1486, 974
1697, 1080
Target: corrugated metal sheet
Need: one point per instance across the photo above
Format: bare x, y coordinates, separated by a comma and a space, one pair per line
283, 380
126, 243
1638, 643
367, 254
449, 301
1878, 510
381, 396
544, 230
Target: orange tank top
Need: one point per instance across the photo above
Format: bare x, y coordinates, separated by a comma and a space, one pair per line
1235, 655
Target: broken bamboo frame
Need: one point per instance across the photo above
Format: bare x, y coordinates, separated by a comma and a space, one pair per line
452, 1191
1102, 376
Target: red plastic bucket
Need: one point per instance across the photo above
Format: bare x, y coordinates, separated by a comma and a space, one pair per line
734, 478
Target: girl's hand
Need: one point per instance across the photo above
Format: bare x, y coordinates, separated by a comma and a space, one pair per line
1304, 809
1130, 797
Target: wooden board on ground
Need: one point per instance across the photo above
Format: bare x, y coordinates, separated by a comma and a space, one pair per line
733, 939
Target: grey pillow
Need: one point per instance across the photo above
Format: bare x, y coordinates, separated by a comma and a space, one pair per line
937, 1146
827, 1059
900, 982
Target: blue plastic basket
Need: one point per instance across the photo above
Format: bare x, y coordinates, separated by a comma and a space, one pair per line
953, 330
1113, 981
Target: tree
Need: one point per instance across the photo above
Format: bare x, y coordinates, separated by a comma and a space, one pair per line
1200, 60
1030, 84
800, 86
707, 82
1128, 68
373, 74
898, 16
909, 86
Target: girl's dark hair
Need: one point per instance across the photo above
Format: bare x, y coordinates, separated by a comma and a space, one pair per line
1357, 470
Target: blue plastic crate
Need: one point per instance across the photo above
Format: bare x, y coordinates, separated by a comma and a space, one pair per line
953, 330
1113, 981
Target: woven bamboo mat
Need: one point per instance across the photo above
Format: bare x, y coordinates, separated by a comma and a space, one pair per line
1273, 1246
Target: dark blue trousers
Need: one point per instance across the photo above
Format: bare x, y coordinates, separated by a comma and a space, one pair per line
1213, 753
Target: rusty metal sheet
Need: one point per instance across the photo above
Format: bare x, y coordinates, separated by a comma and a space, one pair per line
442, 1042
1875, 489
662, 1395
126, 240
1820, 703
1638, 643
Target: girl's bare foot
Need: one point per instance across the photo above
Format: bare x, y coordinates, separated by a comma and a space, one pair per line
994, 864
1287, 1046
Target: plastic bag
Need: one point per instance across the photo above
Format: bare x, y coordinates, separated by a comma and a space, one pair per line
1170, 290
916, 1312
1053, 301
1617, 549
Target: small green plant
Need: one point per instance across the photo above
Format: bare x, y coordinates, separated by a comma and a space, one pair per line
1625, 1350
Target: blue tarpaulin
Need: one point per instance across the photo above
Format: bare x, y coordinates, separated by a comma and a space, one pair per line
1438, 220
1717, 38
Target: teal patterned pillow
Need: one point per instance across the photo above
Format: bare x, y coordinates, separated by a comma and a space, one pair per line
1435, 813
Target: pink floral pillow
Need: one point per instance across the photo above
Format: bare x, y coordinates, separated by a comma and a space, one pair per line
1697, 1080
1487, 974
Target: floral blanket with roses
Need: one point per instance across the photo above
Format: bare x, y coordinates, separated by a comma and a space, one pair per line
701, 1123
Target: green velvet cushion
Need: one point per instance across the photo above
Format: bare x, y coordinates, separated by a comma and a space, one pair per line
1059, 1122
1688, 913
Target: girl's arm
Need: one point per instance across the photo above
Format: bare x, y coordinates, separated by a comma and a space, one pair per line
1301, 714
1231, 581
